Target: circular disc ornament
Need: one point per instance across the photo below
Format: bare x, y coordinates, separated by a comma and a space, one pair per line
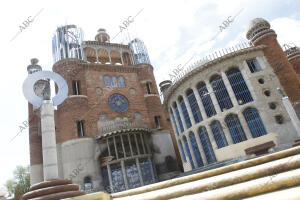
35, 100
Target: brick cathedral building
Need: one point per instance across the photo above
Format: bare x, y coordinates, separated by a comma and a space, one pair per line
112, 132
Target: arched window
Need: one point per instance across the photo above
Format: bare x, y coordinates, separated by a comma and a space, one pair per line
182, 151
218, 133
121, 81
187, 149
235, 128
178, 117
185, 112
239, 86
107, 81
174, 121
254, 122
206, 100
194, 106
221, 93
207, 147
196, 149
87, 183
114, 82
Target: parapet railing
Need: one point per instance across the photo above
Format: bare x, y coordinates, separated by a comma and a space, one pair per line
211, 57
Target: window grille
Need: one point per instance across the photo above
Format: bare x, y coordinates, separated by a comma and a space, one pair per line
218, 133
235, 128
206, 145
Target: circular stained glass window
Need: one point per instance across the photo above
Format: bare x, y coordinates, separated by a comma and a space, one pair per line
118, 103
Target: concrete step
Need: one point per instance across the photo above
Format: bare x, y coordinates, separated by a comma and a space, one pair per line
236, 175
285, 180
285, 194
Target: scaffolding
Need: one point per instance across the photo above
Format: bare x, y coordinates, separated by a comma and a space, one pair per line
66, 43
139, 50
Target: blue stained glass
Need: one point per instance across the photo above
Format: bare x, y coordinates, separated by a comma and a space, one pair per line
207, 147
106, 184
118, 103
179, 119
254, 122
121, 82
174, 121
206, 101
132, 175
196, 149
239, 86
182, 151
218, 133
185, 114
117, 178
107, 81
188, 152
146, 166
235, 128
194, 107
221, 93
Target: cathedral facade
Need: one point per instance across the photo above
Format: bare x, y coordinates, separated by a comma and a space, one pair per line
112, 132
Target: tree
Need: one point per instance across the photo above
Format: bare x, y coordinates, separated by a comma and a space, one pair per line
20, 182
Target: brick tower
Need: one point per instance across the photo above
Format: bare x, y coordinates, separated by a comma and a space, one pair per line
259, 33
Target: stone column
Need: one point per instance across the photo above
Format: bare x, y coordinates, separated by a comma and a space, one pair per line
121, 55
213, 97
229, 89
199, 101
130, 145
110, 179
200, 148
109, 57
49, 141
245, 73
123, 146
245, 125
227, 134
139, 170
211, 138
117, 154
144, 148
190, 112
97, 55
124, 174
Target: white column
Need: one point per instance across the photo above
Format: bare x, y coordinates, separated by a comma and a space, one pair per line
213, 97
49, 141
245, 125
188, 107
176, 120
200, 148
144, 148
211, 138
97, 55
123, 146
109, 56
110, 179
109, 153
227, 133
191, 150
199, 101
130, 145
117, 154
181, 116
121, 55
229, 89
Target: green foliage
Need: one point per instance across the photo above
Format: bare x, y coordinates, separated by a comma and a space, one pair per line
20, 182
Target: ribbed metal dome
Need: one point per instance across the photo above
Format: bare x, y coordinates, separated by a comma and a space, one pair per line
255, 26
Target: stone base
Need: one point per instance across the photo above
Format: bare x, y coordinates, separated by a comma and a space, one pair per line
52, 190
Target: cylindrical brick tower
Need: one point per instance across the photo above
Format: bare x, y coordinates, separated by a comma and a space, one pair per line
293, 55
259, 33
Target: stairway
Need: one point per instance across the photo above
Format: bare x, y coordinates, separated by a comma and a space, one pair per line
274, 176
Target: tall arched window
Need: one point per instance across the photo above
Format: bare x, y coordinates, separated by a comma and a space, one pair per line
107, 81
187, 149
114, 82
218, 133
182, 151
194, 106
196, 149
178, 117
239, 86
207, 147
206, 100
184, 112
254, 122
235, 128
121, 81
221, 93
174, 121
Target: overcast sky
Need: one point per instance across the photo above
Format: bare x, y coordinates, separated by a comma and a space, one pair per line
172, 30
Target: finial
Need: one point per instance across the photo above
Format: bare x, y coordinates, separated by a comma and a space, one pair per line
34, 61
